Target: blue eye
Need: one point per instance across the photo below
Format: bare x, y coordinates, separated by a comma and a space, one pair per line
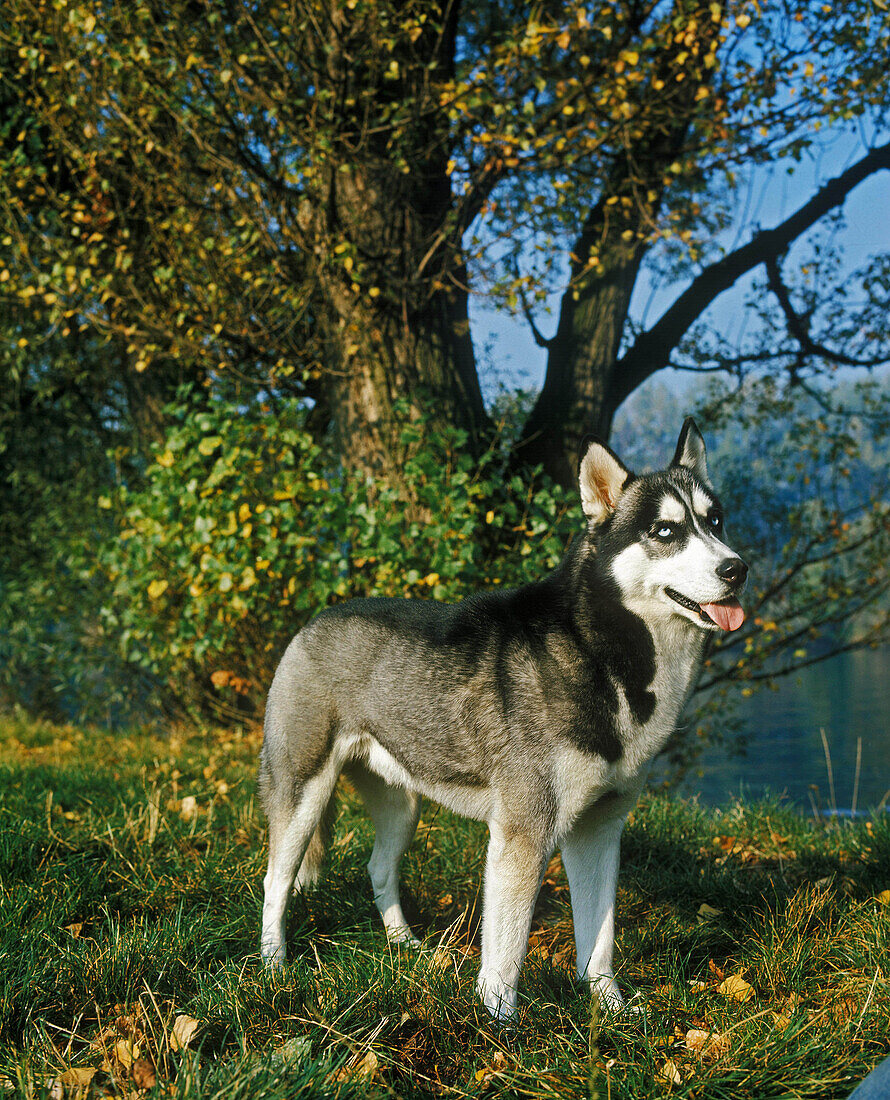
715, 519
664, 531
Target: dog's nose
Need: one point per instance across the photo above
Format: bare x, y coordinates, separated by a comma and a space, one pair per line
733, 571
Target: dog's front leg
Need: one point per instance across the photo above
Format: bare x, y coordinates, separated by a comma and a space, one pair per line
590, 855
513, 872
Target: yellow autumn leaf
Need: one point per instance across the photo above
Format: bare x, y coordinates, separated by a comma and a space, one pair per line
166, 459
74, 1082
126, 1051
669, 1072
707, 1044
157, 588
736, 988
183, 1031
244, 513
884, 897
431, 579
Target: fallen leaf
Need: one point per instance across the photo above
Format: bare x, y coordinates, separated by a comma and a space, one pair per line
697, 986
362, 1070
780, 1021
188, 808
736, 988
295, 1049
564, 959
183, 1031
144, 1074
716, 970
884, 897
668, 1071
499, 1063
74, 930
74, 1082
708, 912
126, 1051
708, 1045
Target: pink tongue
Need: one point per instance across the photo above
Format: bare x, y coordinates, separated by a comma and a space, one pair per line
728, 616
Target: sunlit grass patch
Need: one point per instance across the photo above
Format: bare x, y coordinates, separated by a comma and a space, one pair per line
753, 939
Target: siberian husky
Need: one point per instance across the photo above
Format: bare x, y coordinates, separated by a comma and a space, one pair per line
537, 710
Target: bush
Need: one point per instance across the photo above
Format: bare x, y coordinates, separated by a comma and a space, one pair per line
245, 528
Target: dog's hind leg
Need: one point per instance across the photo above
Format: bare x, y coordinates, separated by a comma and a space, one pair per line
292, 826
318, 845
395, 812
590, 855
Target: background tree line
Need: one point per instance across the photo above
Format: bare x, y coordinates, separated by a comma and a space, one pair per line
237, 250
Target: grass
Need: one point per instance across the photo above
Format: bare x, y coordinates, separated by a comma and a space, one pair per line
130, 890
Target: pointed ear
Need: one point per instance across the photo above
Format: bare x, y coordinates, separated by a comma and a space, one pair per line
602, 478
691, 451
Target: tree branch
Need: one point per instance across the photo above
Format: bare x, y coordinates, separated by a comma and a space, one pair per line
651, 350
799, 323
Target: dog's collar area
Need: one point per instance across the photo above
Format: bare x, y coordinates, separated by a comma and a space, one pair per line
690, 605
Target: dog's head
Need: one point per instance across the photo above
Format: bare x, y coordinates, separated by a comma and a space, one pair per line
661, 535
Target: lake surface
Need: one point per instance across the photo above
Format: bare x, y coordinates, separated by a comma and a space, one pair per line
848, 697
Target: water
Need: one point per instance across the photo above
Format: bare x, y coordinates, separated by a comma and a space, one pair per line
848, 697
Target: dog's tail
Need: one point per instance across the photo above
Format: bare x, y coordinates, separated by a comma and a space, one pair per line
313, 858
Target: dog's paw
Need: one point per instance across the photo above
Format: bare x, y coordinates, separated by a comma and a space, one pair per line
611, 1001
403, 937
499, 999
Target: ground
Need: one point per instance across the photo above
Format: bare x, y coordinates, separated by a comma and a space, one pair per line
754, 938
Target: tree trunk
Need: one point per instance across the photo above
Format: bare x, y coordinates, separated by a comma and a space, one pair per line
388, 370
582, 355
391, 279
579, 393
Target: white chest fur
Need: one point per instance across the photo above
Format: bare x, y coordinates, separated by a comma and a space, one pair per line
582, 778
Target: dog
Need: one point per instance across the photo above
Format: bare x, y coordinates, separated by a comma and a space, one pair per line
537, 710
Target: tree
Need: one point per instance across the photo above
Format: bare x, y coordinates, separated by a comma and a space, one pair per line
304, 192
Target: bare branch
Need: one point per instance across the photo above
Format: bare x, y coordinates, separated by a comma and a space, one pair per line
651, 350
799, 324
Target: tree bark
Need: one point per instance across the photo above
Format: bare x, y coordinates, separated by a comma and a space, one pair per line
392, 283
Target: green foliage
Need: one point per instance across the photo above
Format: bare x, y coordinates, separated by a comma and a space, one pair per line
54, 470
245, 528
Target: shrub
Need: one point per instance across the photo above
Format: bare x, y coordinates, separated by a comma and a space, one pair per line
245, 528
